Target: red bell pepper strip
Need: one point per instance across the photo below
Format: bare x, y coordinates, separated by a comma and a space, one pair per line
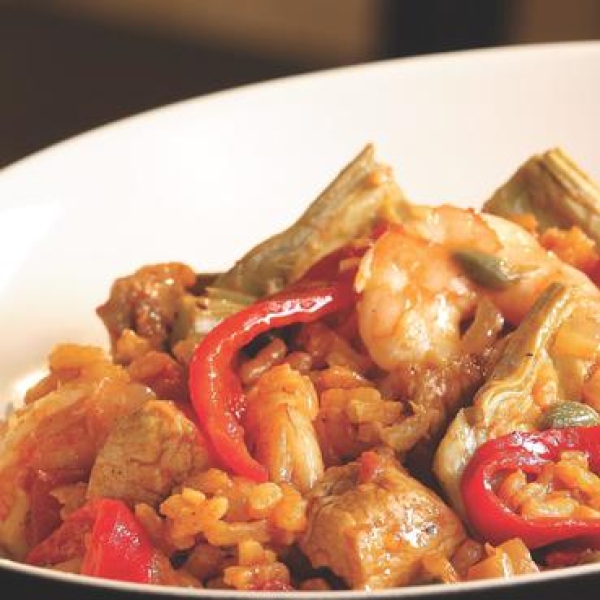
215, 389
492, 519
559, 558
118, 548
327, 268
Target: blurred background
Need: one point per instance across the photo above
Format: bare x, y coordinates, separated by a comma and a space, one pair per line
70, 65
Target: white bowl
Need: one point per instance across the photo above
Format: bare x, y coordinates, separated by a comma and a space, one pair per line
203, 180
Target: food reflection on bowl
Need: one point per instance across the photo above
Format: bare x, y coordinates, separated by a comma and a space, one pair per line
385, 394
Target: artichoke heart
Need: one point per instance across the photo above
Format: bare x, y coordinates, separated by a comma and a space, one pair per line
505, 403
197, 315
555, 191
363, 193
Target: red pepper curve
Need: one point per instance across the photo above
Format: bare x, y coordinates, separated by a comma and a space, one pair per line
492, 519
215, 389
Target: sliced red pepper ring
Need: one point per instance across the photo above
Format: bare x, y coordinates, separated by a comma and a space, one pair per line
215, 389
493, 520
118, 546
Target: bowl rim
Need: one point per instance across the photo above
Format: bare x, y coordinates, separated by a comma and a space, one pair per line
146, 118
413, 591
500, 53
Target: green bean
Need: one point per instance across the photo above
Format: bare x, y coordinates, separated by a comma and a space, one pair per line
486, 269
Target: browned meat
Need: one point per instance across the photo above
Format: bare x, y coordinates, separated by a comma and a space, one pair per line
56, 437
372, 524
147, 454
147, 302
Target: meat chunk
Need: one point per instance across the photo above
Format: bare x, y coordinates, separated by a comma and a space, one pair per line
372, 524
147, 302
56, 437
147, 454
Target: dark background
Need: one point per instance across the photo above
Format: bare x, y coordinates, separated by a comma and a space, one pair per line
63, 71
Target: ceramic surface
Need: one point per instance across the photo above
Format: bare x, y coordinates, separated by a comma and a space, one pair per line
203, 180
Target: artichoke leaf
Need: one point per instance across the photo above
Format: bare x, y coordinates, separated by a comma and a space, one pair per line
555, 190
197, 315
504, 403
362, 193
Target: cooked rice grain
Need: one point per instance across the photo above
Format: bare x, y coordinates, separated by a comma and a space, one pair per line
191, 513
227, 511
272, 354
328, 348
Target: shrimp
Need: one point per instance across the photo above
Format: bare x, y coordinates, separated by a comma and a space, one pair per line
281, 408
55, 438
417, 299
416, 296
537, 267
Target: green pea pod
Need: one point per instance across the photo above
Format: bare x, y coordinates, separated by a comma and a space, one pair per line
555, 190
569, 414
361, 194
486, 269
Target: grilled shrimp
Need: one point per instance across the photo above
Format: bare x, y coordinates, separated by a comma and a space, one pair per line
281, 408
416, 294
535, 267
56, 438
